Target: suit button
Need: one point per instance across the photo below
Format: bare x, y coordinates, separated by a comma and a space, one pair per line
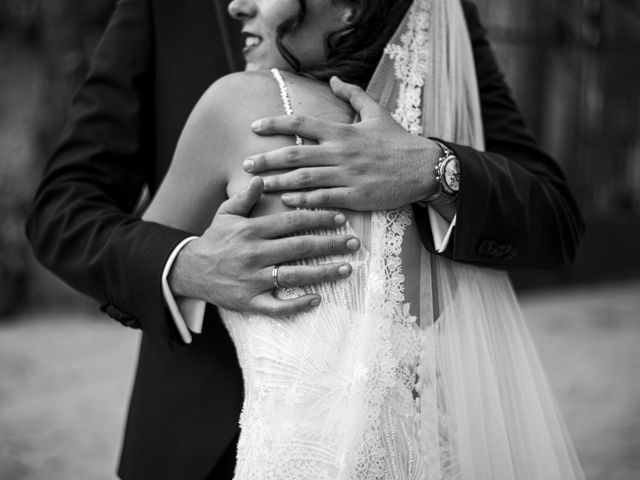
492, 249
120, 316
502, 251
487, 248
511, 254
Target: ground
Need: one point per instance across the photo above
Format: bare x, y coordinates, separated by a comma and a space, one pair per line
65, 380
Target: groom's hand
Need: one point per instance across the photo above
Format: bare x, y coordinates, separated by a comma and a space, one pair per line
373, 164
232, 263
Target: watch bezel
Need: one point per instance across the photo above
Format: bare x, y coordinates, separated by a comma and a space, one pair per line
441, 174
443, 187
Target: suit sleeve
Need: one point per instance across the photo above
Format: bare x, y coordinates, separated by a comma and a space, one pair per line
81, 224
514, 207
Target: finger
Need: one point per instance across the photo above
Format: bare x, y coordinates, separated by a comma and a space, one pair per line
290, 249
290, 223
306, 127
299, 178
267, 304
242, 203
362, 103
339, 197
302, 275
288, 157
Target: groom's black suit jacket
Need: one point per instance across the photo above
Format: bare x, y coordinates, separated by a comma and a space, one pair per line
155, 60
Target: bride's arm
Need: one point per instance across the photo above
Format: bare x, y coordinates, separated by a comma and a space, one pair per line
214, 142
214, 137
194, 185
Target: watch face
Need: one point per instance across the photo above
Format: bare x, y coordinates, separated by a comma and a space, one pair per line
452, 174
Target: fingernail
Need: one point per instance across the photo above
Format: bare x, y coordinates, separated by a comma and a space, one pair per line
315, 302
353, 244
344, 270
248, 165
286, 198
257, 125
340, 219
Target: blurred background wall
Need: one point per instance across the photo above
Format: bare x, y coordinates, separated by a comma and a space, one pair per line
45, 46
574, 66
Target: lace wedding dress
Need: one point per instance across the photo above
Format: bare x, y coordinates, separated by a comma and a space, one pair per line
414, 367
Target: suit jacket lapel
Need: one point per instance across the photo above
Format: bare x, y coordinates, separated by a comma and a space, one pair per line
230, 33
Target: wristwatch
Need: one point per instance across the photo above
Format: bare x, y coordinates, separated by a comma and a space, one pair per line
447, 175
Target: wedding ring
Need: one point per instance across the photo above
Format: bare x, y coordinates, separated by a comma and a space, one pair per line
274, 276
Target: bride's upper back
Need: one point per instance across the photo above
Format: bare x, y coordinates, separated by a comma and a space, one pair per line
207, 164
235, 101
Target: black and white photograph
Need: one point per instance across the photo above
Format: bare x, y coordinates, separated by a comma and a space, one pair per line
319, 240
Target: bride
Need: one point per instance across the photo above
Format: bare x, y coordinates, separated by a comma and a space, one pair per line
413, 367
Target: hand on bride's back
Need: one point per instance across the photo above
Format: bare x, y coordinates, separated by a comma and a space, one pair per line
231, 264
373, 164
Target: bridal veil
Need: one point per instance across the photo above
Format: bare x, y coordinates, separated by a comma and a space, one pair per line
484, 407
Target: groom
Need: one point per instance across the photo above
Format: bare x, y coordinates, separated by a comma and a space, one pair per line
155, 60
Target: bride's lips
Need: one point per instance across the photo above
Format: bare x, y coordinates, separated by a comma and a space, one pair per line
251, 41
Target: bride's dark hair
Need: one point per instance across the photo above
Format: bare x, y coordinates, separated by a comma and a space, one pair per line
354, 51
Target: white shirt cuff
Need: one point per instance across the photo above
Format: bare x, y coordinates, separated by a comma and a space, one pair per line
187, 313
441, 229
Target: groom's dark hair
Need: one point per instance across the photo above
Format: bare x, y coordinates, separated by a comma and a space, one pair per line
354, 51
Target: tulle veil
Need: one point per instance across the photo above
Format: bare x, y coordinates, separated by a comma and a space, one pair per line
485, 398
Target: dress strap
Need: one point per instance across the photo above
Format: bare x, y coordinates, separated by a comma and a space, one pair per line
286, 100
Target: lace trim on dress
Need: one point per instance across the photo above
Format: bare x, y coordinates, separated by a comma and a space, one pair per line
435, 457
410, 60
391, 447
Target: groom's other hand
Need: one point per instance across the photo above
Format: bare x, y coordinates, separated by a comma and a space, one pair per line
231, 265
373, 164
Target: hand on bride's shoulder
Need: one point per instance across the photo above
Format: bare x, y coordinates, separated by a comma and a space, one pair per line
370, 164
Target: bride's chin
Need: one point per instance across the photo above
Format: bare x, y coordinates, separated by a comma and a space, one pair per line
252, 67
256, 66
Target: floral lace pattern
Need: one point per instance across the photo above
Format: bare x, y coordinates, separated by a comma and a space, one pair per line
410, 59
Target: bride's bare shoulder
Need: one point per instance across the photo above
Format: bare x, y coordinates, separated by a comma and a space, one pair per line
221, 121
240, 96
247, 96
